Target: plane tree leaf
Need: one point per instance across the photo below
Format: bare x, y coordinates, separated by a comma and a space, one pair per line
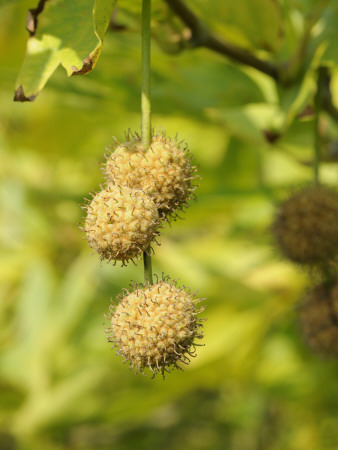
62, 32
253, 23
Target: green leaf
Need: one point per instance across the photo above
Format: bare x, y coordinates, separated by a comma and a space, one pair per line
62, 32
249, 122
254, 23
6, 2
329, 34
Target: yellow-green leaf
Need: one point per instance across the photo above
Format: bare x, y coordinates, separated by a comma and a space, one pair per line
62, 32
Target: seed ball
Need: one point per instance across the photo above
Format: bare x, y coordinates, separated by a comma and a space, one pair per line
306, 226
318, 317
155, 327
164, 171
121, 223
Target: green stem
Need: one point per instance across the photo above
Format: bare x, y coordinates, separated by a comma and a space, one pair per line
146, 108
146, 75
148, 274
318, 107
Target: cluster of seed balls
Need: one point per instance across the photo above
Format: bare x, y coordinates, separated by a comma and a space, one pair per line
306, 232
143, 187
153, 326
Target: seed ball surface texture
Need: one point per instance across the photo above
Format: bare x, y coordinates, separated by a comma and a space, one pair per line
164, 171
306, 226
121, 223
155, 327
318, 316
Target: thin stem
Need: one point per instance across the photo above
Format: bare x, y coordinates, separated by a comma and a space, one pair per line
318, 107
148, 274
146, 75
146, 108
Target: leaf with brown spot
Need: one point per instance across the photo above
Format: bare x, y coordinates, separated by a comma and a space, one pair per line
63, 32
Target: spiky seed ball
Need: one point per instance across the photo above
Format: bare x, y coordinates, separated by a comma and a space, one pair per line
164, 171
121, 223
306, 226
318, 317
156, 326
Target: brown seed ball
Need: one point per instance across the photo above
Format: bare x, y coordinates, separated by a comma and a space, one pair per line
121, 223
155, 327
318, 316
164, 171
306, 226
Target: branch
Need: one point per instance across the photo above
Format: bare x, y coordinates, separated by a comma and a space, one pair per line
202, 37
241, 55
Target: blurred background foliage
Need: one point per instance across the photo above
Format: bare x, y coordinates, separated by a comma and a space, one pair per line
254, 385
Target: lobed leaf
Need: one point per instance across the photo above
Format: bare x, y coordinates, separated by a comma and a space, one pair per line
62, 32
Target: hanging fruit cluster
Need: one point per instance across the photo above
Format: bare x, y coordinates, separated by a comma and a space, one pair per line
306, 232
154, 326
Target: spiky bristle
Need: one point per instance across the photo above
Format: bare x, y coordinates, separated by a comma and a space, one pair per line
155, 327
121, 223
164, 171
318, 318
306, 226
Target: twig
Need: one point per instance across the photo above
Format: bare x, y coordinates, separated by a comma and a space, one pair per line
202, 37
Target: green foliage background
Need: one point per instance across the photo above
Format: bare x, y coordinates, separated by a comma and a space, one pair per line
254, 385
